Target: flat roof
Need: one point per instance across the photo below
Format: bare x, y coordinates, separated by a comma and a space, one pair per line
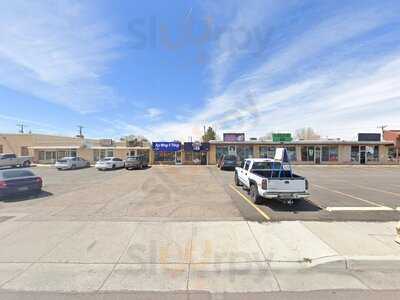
309, 142
55, 147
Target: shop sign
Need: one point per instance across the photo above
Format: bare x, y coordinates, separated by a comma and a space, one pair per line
282, 137
166, 146
196, 147
369, 137
233, 137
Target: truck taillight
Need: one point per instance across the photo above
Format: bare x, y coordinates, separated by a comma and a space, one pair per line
306, 184
3, 184
264, 184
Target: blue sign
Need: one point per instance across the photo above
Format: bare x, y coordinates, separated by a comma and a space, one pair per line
166, 146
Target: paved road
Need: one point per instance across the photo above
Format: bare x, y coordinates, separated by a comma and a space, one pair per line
198, 193
338, 193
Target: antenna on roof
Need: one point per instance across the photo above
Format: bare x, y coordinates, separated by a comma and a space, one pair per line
21, 126
382, 127
80, 135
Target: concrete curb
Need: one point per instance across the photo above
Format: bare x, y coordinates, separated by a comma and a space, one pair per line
362, 263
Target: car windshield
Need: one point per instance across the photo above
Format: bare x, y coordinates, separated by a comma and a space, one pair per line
107, 159
230, 157
17, 173
133, 158
62, 160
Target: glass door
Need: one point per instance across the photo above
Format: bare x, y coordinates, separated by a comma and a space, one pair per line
362, 155
178, 158
317, 155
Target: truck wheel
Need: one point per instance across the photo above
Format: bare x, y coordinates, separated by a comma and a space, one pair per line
26, 164
237, 181
254, 194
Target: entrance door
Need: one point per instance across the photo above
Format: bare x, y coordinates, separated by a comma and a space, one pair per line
178, 158
317, 155
203, 158
362, 155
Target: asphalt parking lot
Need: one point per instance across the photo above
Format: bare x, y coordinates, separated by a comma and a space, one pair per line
204, 193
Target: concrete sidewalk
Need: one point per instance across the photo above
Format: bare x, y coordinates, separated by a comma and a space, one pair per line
197, 256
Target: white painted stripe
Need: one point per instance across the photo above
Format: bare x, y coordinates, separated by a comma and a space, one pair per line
375, 189
348, 195
398, 208
360, 208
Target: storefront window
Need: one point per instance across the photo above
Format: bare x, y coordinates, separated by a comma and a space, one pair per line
99, 154
164, 156
330, 153
267, 151
50, 156
307, 153
221, 150
292, 153
372, 153
188, 156
392, 154
41, 155
355, 153
244, 152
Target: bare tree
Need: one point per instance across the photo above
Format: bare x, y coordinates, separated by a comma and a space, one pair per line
136, 140
307, 133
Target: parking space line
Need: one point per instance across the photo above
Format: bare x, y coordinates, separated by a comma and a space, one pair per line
359, 208
251, 203
375, 189
348, 195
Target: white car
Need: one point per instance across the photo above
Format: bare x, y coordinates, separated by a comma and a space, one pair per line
66, 163
108, 163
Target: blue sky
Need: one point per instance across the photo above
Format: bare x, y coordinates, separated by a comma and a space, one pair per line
163, 69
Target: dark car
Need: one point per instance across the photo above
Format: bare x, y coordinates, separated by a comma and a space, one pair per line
228, 162
136, 162
22, 181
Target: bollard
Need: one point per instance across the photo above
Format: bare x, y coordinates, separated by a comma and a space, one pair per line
398, 233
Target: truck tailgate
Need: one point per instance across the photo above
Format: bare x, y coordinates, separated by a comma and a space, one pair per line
287, 185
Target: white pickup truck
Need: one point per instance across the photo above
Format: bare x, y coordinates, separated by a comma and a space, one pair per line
268, 178
11, 160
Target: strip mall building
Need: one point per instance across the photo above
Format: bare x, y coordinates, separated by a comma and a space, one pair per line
368, 149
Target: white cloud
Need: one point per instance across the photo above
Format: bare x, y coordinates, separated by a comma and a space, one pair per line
153, 113
56, 52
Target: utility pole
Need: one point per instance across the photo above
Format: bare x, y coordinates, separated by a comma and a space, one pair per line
21, 126
80, 131
382, 127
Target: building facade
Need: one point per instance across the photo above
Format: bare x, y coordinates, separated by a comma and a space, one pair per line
310, 152
48, 148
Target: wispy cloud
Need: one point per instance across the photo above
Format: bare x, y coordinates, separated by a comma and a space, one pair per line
153, 113
57, 52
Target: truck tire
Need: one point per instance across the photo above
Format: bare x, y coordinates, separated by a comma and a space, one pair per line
237, 181
257, 199
26, 164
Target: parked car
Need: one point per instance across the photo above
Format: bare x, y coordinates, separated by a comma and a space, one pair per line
11, 160
267, 178
108, 163
19, 181
229, 161
136, 162
66, 163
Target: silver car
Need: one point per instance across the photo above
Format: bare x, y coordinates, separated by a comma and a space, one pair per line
67, 163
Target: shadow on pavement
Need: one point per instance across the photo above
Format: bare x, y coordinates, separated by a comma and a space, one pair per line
299, 206
26, 197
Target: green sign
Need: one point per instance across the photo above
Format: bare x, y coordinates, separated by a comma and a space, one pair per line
282, 137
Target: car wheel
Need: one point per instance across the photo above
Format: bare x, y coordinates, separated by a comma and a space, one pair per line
254, 194
26, 164
237, 181
113, 167
73, 167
